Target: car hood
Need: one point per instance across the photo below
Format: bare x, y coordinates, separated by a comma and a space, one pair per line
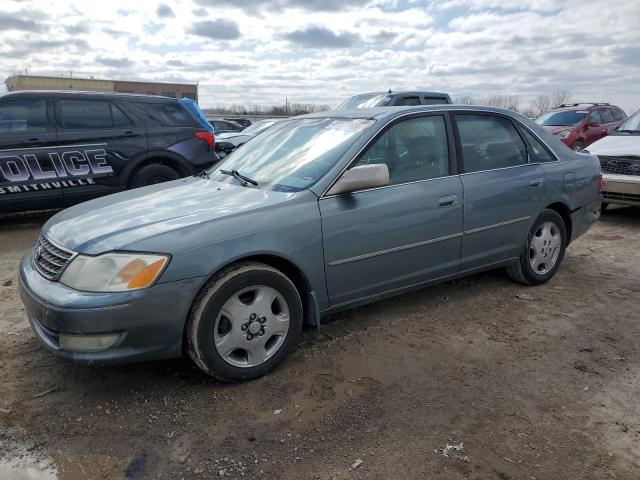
115, 221
556, 128
616, 145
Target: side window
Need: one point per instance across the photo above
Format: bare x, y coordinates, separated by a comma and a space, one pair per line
618, 115
435, 101
120, 119
489, 142
85, 114
23, 116
415, 149
409, 101
595, 116
540, 153
168, 113
607, 115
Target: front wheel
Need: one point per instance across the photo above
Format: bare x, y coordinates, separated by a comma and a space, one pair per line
244, 322
152, 174
543, 250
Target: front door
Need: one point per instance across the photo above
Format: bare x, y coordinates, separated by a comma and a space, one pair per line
384, 239
29, 178
503, 191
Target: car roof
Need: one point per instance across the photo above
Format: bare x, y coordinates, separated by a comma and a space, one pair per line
380, 113
572, 107
86, 94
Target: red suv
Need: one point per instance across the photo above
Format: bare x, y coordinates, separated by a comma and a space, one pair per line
581, 124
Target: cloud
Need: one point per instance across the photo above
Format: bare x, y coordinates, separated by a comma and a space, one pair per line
164, 11
20, 21
320, 37
216, 29
265, 6
114, 62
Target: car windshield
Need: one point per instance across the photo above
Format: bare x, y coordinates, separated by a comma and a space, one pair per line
632, 124
369, 100
564, 119
294, 155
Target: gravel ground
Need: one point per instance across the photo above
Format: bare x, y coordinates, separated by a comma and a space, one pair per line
480, 378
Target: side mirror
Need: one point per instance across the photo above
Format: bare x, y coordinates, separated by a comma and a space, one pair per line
613, 129
360, 178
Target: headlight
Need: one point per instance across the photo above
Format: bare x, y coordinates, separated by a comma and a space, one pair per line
113, 272
564, 134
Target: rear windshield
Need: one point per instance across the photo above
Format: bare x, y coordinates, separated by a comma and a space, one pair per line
365, 101
563, 119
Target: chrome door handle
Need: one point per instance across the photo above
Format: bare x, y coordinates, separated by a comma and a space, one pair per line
536, 183
448, 201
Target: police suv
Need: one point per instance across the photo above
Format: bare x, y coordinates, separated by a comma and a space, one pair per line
58, 148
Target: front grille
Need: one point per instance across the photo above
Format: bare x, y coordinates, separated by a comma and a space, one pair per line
50, 259
620, 165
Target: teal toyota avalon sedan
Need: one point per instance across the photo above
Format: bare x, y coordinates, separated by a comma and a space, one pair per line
326, 212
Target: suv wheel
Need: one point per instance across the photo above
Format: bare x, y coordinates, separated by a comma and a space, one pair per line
578, 146
152, 174
543, 250
244, 322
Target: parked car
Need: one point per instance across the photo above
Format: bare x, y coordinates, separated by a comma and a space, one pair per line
61, 148
229, 141
393, 99
619, 155
244, 122
223, 126
578, 125
326, 212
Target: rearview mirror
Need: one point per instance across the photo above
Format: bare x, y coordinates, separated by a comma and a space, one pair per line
361, 177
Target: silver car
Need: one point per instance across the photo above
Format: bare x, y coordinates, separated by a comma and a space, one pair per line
328, 211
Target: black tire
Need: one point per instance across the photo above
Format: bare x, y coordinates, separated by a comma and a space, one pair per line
523, 272
206, 308
152, 174
577, 146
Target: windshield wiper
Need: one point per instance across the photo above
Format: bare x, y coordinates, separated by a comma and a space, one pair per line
628, 131
202, 174
241, 178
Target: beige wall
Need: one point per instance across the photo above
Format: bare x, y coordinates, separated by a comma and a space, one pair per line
21, 82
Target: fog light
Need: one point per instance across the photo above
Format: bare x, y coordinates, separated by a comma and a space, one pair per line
87, 343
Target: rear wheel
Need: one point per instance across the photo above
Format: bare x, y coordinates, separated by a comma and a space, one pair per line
577, 146
543, 250
152, 174
244, 322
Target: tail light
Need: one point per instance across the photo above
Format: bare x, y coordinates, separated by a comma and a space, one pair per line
601, 183
208, 138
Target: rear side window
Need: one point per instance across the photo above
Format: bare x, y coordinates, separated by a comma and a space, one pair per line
413, 150
607, 115
120, 119
170, 114
618, 115
489, 142
23, 116
85, 114
409, 101
435, 101
540, 153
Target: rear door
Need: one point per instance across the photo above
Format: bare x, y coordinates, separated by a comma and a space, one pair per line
597, 130
29, 178
96, 140
503, 191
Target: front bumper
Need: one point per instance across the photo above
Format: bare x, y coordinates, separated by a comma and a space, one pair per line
621, 189
149, 323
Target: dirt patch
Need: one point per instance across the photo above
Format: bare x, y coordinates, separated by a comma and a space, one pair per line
532, 382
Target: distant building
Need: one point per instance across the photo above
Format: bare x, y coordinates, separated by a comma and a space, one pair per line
32, 82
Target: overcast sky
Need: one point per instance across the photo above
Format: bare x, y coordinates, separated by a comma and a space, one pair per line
261, 51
